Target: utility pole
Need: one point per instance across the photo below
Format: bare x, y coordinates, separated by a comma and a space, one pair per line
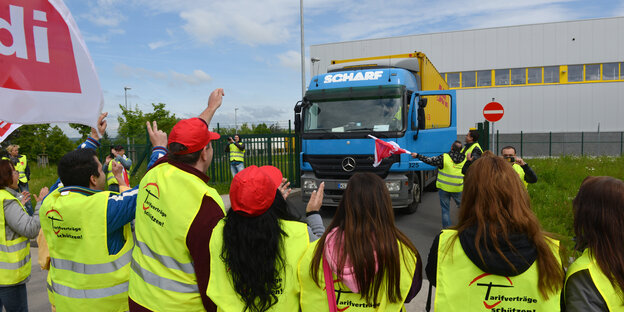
303, 76
235, 122
126, 95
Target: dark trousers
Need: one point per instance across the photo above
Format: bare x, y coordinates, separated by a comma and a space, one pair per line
13, 298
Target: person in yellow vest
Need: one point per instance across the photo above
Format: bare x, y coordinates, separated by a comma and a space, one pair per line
363, 262
88, 231
255, 250
472, 150
450, 180
17, 228
527, 175
595, 280
117, 154
21, 165
236, 148
175, 215
498, 257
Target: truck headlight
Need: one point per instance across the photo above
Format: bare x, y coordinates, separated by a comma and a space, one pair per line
309, 184
393, 186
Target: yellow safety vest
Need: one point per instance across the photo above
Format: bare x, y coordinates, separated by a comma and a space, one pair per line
236, 154
587, 262
110, 177
462, 286
314, 297
82, 273
20, 167
14, 254
450, 177
520, 172
163, 276
221, 289
472, 147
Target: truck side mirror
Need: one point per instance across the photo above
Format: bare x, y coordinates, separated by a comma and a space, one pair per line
298, 117
422, 103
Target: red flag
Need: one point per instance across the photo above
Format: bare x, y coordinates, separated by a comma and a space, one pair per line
6, 128
384, 149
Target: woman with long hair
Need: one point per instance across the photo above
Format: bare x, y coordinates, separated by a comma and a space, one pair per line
17, 227
596, 279
255, 249
497, 256
362, 261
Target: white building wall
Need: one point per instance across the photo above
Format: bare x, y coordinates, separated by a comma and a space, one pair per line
541, 108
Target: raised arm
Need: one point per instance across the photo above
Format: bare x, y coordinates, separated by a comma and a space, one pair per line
214, 102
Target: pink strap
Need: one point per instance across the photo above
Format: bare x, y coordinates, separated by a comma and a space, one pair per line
329, 286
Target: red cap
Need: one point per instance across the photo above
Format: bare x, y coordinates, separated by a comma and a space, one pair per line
253, 189
192, 133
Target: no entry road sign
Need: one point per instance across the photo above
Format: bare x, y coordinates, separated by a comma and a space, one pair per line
493, 111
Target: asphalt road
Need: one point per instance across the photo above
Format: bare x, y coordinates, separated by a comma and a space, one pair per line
421, 227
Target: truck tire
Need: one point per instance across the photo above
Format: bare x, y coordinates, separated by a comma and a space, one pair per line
416, 196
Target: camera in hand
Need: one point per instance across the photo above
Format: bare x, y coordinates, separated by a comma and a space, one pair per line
511, 159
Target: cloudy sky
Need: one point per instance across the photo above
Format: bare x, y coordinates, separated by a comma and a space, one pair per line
177, 51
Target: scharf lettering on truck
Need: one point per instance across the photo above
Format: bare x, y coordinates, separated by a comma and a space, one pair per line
359, 76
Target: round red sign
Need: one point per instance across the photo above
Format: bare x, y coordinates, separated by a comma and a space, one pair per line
493, 111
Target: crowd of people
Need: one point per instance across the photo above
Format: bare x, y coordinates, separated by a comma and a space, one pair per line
170, 244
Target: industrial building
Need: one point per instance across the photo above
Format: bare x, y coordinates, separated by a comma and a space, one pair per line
562, 77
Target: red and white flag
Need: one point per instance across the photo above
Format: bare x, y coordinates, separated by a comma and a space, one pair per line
6, 129
384, 149
47, 74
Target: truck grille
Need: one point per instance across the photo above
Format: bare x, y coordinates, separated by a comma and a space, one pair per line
331, 166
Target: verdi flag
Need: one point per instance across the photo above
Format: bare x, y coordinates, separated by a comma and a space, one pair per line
47, 74
6, 129
384, 149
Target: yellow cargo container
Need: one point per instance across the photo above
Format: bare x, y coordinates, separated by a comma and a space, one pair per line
437, 111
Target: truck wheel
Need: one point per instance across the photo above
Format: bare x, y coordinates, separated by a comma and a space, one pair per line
416, 194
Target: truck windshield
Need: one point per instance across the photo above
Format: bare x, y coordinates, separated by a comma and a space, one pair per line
368, 115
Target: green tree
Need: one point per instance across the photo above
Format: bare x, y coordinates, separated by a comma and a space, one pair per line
261, 129
83, 130
132, 122
41, 139
166, 120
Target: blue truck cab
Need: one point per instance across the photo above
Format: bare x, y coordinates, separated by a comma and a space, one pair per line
342, 107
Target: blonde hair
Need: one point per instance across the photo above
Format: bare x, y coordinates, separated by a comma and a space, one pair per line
11, 147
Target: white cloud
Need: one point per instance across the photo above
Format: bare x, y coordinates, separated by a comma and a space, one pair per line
104, 13
197, 77
290, 59
157, 44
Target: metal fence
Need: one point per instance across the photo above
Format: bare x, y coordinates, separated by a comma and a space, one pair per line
560, 144
279, 150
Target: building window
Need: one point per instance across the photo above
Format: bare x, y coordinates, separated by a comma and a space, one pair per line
551, 74
622, 71
453, 80
484, 78
610, 71
502, 77
534, 75
518, 76
592, 72
468, 79
575, 73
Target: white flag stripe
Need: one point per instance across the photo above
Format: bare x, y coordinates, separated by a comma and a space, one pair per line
493, 111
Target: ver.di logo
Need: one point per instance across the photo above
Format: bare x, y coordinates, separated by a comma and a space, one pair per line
54, 215
489, 286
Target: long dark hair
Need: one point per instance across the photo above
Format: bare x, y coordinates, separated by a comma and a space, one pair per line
253, 251
6, 174
496, 203
365, 219
598, 224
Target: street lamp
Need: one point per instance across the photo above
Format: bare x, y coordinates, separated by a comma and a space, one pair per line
235, 123
126, 95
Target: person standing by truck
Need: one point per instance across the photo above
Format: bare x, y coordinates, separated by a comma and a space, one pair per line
236, 148
450, 181
472, 150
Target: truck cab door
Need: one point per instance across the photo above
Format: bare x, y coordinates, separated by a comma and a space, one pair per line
433, 121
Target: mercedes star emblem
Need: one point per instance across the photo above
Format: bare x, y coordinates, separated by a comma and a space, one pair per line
348, 164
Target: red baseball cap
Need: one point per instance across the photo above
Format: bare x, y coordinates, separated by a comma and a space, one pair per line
192, 133
253, 189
